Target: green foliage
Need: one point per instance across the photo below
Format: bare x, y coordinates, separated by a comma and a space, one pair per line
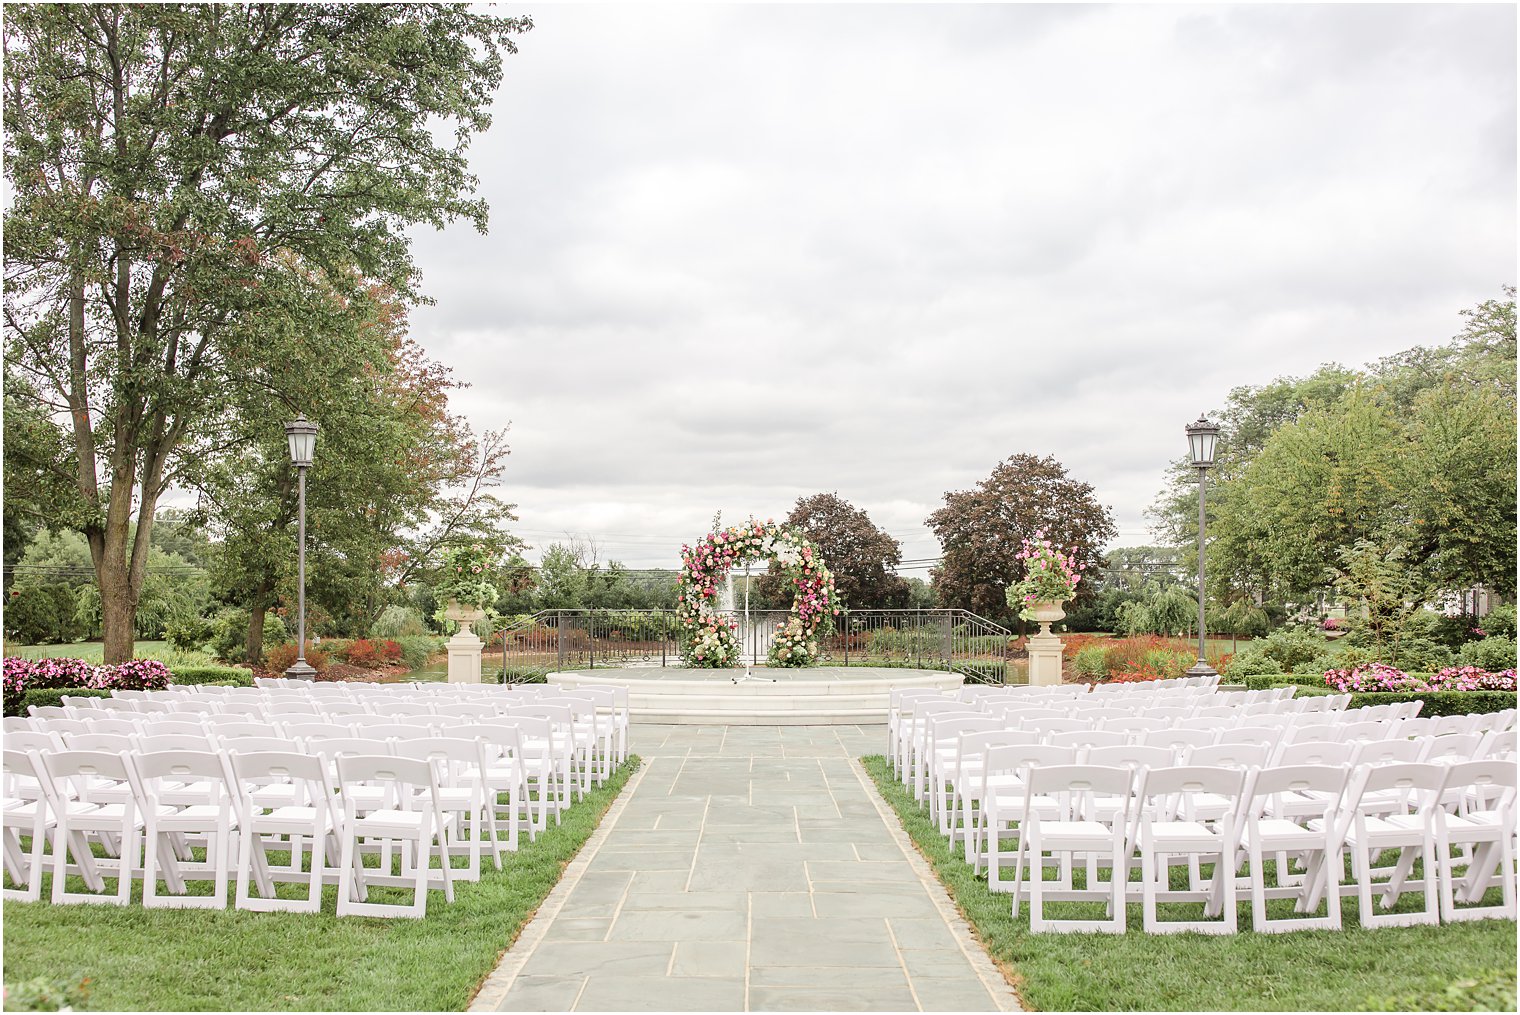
229, 639
1499, 622
235, 676
1289, 650
468, 576
1172, 611
43, 612
1380, 579
861, 555
1422, 654
42, 994
189, 632
398, 622
1492, 653
1090, 662
1436, 703
417, 649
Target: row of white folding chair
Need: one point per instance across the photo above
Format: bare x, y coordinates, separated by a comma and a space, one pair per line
208, 795
1226, 815
958, 765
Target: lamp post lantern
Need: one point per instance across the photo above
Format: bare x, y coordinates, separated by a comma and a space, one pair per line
1202, 436
302, 435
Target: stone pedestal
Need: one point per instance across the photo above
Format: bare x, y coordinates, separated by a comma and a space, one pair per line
464, 648
1045, 648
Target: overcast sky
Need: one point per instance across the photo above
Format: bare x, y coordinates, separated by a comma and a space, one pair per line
744, 254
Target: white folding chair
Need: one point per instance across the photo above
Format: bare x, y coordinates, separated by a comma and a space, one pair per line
285, 800
1412, 834
1487, 834
461, 797
26, 813
1308, 836
77, 819
1070, 832
1178, 815
186, 793
413, 818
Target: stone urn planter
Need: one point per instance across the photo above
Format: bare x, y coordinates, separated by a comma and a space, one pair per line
1045, 648
464, 647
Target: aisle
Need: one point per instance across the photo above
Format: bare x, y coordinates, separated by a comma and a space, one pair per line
748, 869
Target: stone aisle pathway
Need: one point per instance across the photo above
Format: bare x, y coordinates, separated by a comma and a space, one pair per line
748, 869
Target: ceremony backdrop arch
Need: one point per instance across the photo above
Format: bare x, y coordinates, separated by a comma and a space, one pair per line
710, 640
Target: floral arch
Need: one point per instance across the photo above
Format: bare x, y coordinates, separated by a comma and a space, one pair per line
710, 640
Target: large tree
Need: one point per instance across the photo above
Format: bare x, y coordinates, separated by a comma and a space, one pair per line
981, 530
198, 191
860, 554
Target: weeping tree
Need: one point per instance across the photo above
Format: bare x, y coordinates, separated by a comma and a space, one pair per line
197, 190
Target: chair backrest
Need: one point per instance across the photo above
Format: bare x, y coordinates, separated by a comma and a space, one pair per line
250, 709
1322, 733
399, 730
976, 744
1364, 731
1411, 728
178, 765
453, 756
1174, 792
338, 710
1131, 724
70, 725
403, 708
1264, 736
1131, 756
154, 726
1420, 785
1387, 752
1314, 752
79, 701
1088, 738
16, 723
1329, 781
401, 773
260, 768
303, 730
196, 706
32, 740
173, 742
256, 745
465, 709
47, 712
123, 727
1075, 786
1500, 744
112, 743
1017, 757
1495, 779
1229, 756
1177, 740
97, 764
1048, 727
333, 748
150, 706
1454, 724
243, 728
1453, 747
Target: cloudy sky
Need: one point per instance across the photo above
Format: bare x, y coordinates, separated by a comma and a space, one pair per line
743, 254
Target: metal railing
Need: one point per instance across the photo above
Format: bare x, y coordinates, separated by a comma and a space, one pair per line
953, 640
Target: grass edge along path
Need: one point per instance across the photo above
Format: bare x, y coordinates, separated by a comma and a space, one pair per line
229, 960
1351, 969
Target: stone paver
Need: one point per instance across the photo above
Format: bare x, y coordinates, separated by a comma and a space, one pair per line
748, 868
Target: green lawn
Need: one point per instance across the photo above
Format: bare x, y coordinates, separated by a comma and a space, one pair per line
90, 652
1464, 966
227, 960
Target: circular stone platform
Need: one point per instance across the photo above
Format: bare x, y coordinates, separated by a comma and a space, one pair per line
816, 696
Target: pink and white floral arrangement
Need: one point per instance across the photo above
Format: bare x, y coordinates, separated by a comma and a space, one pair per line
711, 641
1050, 575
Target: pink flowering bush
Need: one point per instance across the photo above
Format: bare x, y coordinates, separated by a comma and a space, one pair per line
1050, 576
22, 675
1371, 677
1379, 677
708, 640
1332, 624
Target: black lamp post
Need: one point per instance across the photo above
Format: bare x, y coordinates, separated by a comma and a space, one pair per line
302, 435
1202, 436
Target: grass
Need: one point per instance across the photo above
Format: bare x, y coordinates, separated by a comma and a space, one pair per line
1350, 969
229, 960
90, 652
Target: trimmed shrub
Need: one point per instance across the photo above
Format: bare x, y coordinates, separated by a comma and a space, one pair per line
1438, 703
189, 633
1090, 662
1492, 653
44, 696
1424, 654
228, 676
1248, 663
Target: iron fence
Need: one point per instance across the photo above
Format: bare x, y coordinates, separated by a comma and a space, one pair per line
953, 640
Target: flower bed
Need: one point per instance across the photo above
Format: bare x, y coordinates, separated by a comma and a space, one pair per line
22, 675
1382, 677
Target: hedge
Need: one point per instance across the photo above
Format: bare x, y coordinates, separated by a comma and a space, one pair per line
232, 676
1437, 703
44, 696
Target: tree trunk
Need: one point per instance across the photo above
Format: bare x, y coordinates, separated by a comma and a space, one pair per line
255, 645
118, 613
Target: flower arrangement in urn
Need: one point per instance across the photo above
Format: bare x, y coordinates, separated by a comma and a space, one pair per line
466, 580
1050, 577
